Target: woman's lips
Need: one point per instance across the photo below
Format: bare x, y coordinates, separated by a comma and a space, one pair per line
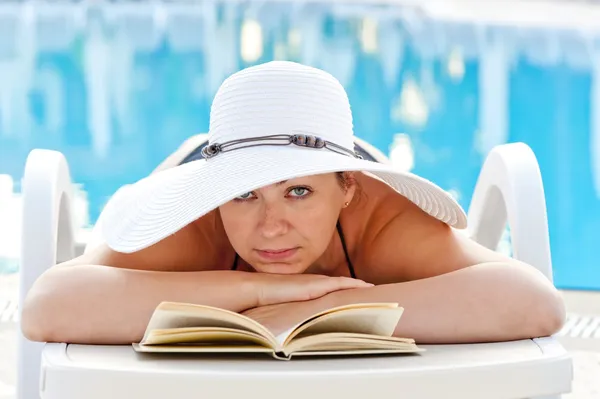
276, 254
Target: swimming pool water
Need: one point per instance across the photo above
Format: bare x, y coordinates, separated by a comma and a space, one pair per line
116, 89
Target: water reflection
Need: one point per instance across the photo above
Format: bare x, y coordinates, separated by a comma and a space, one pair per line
117, 87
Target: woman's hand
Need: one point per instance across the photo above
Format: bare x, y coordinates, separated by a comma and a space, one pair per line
281, 317
282, 288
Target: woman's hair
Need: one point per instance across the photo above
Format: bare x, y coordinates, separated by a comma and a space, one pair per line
346, 179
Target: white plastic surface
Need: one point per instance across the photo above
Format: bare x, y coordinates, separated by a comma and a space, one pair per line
47, 238
529, 368
509, 189
500, 370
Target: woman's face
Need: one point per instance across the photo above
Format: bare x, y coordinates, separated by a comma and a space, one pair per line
285, 227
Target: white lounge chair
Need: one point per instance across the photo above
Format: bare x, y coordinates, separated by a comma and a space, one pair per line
509, 188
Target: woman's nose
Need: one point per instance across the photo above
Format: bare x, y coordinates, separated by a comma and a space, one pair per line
273, 222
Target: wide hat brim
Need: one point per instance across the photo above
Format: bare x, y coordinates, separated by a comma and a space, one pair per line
163, 203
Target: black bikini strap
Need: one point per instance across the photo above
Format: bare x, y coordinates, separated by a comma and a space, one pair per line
341, 233
235, 261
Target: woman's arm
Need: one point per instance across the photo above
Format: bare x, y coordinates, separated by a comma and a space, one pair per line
107, 305
452, 288
108, 297
105, 297
482, 303
488, 302
96, 304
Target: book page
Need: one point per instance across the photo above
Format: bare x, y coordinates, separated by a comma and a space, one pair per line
373, 320
288, 335
357, 352
169, 315
202, 349
207, 336
348, 341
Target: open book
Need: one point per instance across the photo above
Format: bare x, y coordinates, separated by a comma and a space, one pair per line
357, 329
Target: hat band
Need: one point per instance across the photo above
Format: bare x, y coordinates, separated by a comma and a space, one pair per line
301, 140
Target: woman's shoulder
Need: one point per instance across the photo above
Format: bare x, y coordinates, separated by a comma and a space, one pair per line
390, 234
374, 205
197, 246
397, 241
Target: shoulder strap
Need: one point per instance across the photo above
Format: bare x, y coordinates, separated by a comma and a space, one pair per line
350, 266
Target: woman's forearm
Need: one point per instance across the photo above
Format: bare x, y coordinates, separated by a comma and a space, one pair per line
482, 303
106, 305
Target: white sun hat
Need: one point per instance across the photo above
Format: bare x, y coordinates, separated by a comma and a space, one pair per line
268, 123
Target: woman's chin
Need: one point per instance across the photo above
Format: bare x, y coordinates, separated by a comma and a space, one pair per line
279, 268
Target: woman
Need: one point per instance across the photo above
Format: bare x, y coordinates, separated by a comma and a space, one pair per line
279, 216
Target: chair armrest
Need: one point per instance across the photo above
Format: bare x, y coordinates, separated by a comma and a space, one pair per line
47, 238
510, 188
47, 229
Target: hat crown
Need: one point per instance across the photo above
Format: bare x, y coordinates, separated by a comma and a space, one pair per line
281, 97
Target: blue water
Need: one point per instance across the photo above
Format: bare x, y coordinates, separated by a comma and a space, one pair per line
119, 95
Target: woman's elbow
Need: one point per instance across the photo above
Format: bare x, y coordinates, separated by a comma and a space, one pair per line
32, 326
41, 312
34, 319
548, 315
531, 306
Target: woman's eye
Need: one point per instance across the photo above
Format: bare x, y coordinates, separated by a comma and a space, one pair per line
245, 196
299, 192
